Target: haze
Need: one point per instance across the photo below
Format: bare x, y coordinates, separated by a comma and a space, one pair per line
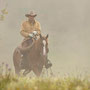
66, 21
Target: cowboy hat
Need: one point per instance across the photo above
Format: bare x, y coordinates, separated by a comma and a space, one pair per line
31, 14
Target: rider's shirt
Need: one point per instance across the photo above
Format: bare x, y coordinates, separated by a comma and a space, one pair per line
27, 28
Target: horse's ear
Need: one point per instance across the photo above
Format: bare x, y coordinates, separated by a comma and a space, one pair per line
47, 36
40, 36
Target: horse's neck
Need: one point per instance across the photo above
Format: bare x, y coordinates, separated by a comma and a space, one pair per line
37, 45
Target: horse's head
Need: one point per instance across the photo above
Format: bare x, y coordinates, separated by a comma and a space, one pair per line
43, 45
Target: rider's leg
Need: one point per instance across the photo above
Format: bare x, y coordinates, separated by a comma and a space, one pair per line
25, 44
24, 62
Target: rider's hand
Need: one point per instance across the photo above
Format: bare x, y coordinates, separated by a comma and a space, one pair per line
35, 32
31, 35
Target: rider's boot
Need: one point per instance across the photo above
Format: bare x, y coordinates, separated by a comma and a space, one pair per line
48, 64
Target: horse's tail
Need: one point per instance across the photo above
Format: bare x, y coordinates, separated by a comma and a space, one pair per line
16, 60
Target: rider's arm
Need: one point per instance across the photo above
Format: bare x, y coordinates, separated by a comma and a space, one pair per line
23, 31
38, 28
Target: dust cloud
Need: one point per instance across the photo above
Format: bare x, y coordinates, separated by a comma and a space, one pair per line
66, 21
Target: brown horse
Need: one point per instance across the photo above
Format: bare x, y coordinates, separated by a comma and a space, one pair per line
36, 55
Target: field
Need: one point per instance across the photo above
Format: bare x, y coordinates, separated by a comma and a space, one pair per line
10, 81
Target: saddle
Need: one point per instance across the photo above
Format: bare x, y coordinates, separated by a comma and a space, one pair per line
26, 43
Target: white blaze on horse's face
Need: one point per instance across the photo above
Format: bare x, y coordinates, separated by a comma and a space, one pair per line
44, 47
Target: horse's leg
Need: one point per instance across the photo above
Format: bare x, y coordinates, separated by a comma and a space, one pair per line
16, 60
37, 71
17, 70
26, 72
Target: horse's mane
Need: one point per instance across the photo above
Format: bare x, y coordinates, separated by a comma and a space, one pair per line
37, 43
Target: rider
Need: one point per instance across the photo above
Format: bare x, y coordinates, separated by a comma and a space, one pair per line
30, 28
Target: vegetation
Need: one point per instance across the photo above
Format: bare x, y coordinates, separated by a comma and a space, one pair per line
9, 81
3, 13
3, 9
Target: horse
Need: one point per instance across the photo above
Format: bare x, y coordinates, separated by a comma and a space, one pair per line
36, 55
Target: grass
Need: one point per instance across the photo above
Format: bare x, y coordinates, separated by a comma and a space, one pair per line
9, 81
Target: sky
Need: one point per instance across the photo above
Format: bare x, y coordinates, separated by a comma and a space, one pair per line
66, 21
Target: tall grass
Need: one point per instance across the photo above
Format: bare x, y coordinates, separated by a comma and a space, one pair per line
9, 81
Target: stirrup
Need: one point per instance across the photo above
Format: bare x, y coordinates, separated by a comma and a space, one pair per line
48, 64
